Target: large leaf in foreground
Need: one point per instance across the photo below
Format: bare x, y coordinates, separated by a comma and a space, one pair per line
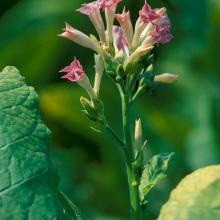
28, 181
197, 197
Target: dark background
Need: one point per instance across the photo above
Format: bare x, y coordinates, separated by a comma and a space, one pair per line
181, 118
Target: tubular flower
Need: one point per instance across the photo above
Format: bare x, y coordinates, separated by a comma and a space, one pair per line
125, 22
79, 38
93, 11
110, 8
74, 73
120, 43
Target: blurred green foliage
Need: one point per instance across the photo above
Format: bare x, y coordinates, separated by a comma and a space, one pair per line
182, 118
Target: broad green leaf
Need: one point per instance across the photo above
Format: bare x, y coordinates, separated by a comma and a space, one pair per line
197, 197
28, 180
153, 171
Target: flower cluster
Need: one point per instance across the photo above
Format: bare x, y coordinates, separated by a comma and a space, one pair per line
118, 45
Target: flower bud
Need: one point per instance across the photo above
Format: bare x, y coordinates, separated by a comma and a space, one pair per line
119, 56
147, 78
89, 109
79, 38
166, 78
120, 42
138, 135
139, 52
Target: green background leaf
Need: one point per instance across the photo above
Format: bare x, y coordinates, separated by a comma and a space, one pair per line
153, 172
196, 197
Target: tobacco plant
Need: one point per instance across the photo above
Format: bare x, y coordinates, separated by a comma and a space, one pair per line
29, 184
125, 54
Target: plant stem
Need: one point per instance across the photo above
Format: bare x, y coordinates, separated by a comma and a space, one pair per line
114, 134
135, 210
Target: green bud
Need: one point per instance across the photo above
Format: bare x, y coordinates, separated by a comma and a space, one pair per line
149, 60
120, 71
148, 77
137, 67
98, 106
89, 110
138, 135
128, 68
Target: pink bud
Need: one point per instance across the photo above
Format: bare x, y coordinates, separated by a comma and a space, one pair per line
79, 38
125, 22
120, 42
148, 15
93, 11
74, 73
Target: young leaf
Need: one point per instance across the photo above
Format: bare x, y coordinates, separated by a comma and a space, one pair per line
153, 171
196, 197
28, 180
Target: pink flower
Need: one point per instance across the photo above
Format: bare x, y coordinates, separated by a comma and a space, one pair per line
75, 73
148, 15
125, 22
163, 19
79, 38
120, 42
108, 3
145, 23
93, 11
161, 34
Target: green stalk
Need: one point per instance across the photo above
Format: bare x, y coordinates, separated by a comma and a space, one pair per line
135, 210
